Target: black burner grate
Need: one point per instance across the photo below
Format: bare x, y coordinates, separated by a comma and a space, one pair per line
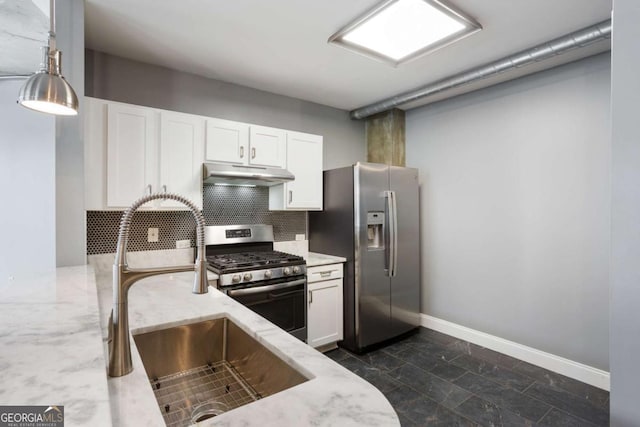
251, 259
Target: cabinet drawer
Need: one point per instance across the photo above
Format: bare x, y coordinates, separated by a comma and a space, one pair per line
324, 272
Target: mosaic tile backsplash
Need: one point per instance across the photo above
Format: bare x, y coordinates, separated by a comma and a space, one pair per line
222, 206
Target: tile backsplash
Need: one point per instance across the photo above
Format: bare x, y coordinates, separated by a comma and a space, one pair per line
223, 205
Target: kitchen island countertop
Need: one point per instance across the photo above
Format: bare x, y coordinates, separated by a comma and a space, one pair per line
51, 350
332, 397
55, 327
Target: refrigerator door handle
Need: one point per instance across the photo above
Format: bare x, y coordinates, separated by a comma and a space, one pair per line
392, 230
387, 233
393, 240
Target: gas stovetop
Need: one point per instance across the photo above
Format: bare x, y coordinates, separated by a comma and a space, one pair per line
229, 263
243, 255
245, 268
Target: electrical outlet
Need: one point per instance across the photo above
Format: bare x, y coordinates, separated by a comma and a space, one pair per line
300, 236
152, 235
183, 244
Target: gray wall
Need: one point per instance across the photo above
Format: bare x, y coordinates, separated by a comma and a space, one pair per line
515, 209
119, 79
27, 185
70, 215
43, 177
625, 215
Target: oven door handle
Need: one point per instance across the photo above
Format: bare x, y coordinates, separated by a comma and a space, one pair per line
267, 288
284, 294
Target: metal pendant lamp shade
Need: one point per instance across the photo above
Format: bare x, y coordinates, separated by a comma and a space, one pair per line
47, 90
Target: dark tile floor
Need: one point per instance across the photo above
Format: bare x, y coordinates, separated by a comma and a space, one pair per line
432, 379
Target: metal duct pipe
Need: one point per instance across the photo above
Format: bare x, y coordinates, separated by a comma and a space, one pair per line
558, 46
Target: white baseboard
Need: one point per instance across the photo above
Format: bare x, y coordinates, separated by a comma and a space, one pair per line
578, 371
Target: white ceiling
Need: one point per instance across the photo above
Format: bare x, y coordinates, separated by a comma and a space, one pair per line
281, 46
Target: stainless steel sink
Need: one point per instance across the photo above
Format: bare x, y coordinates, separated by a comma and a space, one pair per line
203, 369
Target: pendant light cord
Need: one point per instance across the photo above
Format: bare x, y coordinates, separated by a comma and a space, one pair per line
52, 25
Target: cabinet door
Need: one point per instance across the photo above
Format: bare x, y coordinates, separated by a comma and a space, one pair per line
131, 141
304, 160
325, 312
181, 157
95, 154
267, 147
227, 141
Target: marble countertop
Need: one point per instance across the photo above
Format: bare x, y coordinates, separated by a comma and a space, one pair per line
315, 259
51, 350
332, 397
53, 340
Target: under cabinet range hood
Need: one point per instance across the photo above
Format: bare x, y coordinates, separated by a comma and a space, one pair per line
216, 173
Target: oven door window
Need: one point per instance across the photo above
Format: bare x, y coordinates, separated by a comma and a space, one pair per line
285, 307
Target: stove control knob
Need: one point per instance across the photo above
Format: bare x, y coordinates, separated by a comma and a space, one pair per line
296, 270
235, 278
286, 271
247, 277
268, 274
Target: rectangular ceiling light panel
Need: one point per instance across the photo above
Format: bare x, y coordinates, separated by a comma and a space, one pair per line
399, 30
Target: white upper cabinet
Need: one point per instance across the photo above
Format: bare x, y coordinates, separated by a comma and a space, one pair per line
181, 152
227, 141
304, 160
131, 151
244, 144
267, 147
95, 154
131, 168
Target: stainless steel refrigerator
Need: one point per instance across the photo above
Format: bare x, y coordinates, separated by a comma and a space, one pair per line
371, 217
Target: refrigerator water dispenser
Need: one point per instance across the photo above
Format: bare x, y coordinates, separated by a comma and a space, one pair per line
375, 230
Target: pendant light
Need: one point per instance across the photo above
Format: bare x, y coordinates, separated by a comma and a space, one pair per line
46, 90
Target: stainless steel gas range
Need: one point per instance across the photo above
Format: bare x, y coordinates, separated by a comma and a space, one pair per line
271, 283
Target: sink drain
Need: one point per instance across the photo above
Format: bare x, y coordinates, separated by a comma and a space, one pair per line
194, 395
208, 410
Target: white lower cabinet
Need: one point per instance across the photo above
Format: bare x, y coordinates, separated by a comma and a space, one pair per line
324, 314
